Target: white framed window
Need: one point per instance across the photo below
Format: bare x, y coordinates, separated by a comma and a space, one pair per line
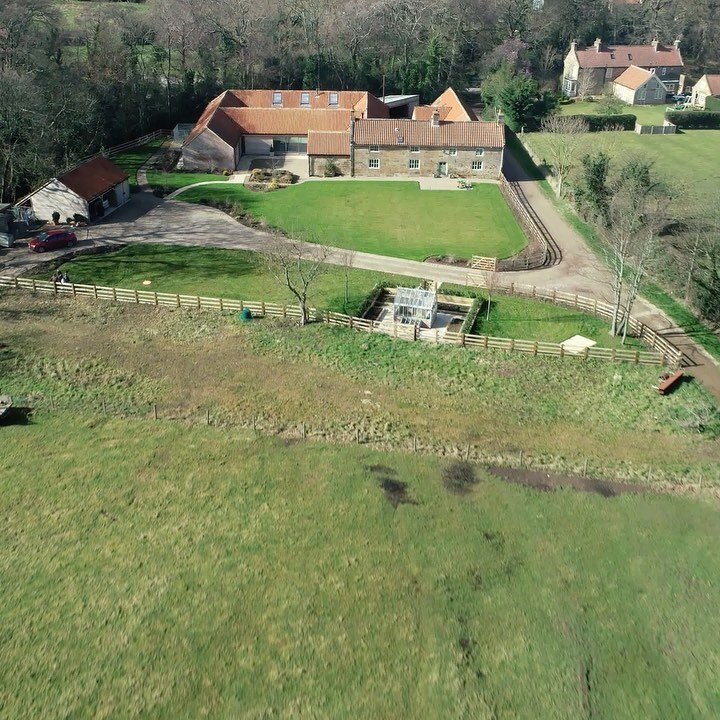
452, 151
663, 71
333, 99
277, 98
305, 99
414, 164
608, 73
477, 164
660, 92
373, 163
479, 152
414, 148
374, 148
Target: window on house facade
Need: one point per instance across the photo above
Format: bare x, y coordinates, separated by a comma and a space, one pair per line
374, 148
477, 164
414, 148
333, 99
660, 92
277, 98
414, 164
663, 71
608, 73
374, 163
452, 151
479, 152
305, 99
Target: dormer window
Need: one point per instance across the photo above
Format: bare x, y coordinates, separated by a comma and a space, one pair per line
612, 56
333, 99
305, 99
277, 98
629, 56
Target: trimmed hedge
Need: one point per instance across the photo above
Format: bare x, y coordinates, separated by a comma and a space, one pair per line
697, 119
596, 123
469, 321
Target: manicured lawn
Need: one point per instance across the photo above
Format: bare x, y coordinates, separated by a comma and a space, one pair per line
151, 569
533, 320
132, 160
387, 218
211, 272
170, 181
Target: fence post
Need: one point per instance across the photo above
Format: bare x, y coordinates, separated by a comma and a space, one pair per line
350, 324
95, 291
462, 339
114, 294
207, 416
562, 352
512, 288
285, 310
137, 299
614, 354
512, 344
197, 298
637, 357
54, 287
155, 411
177, 300
576, 301
415, 332
485, 342
263, 308
535, 348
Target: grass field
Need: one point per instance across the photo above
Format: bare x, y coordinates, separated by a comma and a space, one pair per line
687, 161
341, 382
132, 160
387, 218
210, 272
156, 570
532, 320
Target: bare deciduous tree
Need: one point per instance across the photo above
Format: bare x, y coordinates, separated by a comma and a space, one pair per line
296, 264
562, 144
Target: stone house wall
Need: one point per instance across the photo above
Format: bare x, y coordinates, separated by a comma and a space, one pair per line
395, 161
208, 152
317, 164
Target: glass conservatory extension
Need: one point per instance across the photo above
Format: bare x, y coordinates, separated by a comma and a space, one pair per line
414, 306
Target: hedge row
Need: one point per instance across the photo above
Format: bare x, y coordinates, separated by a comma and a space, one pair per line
597, 123
697, 119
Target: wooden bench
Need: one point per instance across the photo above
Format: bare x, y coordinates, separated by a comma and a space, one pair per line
666, 385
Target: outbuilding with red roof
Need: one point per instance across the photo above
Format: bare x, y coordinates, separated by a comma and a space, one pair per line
92, 189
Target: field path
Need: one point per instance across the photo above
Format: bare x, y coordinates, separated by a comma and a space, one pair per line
150, 220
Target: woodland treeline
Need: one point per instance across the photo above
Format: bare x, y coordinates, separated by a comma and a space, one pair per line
75, 80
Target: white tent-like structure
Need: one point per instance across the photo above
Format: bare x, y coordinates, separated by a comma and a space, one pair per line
414, 306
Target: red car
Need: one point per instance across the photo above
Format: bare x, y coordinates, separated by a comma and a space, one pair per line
52, 240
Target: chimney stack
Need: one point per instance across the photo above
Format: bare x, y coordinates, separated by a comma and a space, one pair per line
435, 118
655, 44
676, 43
573, 45
597, 44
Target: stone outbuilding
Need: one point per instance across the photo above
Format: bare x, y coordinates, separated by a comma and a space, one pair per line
708, 86
637, 86
93, 189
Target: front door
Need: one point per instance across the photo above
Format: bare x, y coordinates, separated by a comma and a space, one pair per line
442, 168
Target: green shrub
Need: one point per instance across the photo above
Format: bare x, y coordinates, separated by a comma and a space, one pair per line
700, 120
597, 123
331, 169
470, 318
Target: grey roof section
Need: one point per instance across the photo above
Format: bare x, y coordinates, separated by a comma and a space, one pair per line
415, 297
396, 100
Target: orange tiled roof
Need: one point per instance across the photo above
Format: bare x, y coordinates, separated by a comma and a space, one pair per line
633, 77
713, 82
421, 133
257, 115
450, 107
328, 143
93, 177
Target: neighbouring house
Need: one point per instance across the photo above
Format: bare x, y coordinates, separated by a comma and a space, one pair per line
587, 71
273, 122
339, 133
92, 189
708, 86
637, 86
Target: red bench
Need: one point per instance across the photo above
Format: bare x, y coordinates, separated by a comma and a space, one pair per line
668, 383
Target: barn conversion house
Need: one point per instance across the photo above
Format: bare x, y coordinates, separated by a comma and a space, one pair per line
355, 133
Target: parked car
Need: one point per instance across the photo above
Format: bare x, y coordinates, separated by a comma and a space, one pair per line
680, 97
52, 240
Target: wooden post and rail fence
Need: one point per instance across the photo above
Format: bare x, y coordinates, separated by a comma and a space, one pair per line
534, 255
662, 352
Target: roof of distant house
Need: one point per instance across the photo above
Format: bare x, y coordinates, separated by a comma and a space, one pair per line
633, 77
293, 112
94, 177
423, 134
625, 55
713, 82
449, 106
328, 143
